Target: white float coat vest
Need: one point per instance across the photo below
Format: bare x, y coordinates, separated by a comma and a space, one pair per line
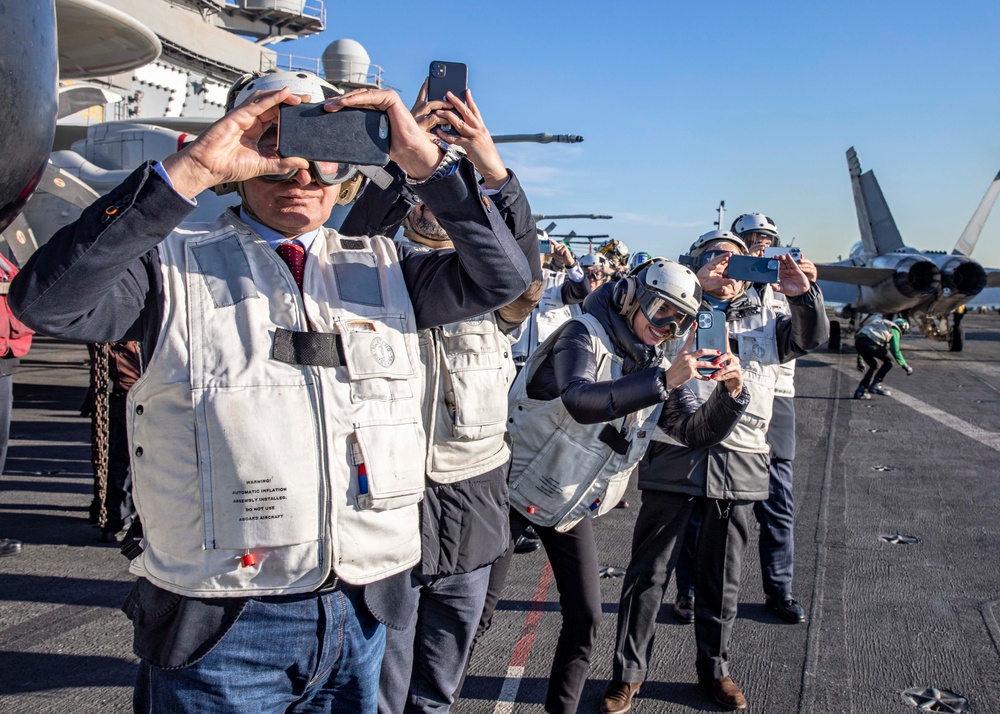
759, 361
785, 386
469, 370
547, 317
879, 331
561, 472
236, 452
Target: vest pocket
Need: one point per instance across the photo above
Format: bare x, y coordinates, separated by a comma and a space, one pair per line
260, 486
392, 454
377, 359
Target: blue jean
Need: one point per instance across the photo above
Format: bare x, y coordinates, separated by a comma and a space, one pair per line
424, 663
305, 654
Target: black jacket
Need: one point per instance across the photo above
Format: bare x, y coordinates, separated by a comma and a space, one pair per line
464, 525
570, 373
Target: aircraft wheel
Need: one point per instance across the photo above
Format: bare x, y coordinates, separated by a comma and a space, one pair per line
956, 340
834, 343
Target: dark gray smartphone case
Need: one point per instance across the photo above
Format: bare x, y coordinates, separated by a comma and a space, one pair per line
350, 136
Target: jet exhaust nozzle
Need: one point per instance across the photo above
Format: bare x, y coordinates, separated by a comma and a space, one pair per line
966, 277
915, 277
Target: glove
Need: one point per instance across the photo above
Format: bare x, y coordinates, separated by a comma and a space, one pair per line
908, 369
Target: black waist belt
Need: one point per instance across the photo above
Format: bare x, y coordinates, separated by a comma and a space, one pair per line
613, 438
315, 349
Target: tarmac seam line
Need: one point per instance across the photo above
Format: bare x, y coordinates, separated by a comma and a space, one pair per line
809, 673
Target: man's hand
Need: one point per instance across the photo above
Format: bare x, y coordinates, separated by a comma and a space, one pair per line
712, 275
473, 136
560, 249
809, 268
791, 279
411, 147
227, 150
908, 369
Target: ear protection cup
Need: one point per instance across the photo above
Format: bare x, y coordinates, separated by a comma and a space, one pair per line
623, 296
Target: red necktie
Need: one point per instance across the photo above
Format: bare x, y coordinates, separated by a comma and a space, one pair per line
294, 255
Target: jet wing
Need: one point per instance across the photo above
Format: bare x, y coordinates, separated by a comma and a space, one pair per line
854, 274
66, 186
992, 278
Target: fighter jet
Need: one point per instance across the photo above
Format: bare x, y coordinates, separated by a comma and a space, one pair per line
884, 276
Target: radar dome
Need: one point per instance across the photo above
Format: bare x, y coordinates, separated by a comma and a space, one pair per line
346, 62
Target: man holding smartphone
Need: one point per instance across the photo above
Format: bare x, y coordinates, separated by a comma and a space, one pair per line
720, 482
775, 514
272, 433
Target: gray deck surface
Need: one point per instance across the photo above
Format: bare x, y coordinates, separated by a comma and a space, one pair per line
882, 618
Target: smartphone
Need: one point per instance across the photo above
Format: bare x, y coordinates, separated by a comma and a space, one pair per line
444, 77
793, 251
754, 270
350, 136
544, 246
711, 335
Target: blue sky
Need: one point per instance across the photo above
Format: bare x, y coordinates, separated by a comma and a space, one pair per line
683, 105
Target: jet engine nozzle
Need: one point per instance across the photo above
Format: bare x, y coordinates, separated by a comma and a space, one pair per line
917, 276
963, 276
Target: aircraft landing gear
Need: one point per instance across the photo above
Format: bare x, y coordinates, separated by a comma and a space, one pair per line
956, 336
834, 343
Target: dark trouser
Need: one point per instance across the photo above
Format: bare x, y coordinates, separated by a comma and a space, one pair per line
777, 543
118, 500
6, 406
684, 570
871, 353
573, 556
423, 663
722, 540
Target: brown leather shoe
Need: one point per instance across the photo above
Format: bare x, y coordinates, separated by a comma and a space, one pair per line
618, 697
725, 692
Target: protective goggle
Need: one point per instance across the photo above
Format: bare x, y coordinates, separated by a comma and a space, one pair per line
754, 238
661, 313
709, 255
324, 173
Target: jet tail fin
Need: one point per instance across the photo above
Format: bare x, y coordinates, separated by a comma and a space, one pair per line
967, 241
878, 228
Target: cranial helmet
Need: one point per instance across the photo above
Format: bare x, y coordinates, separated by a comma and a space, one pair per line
660, 283
755, 223
592, 259
615, 251
312, 89
304, 84
703, 243
639, 259
902, 324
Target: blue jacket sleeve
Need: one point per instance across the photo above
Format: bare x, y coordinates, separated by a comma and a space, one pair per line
97, 279
487, 269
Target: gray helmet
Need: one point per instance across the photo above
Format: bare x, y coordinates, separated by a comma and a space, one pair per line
592, 259
755, 223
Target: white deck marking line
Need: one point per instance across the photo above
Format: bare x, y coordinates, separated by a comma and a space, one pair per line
519, 657
988, 438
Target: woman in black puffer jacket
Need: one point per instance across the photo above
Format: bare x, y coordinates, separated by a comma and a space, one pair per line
582, 410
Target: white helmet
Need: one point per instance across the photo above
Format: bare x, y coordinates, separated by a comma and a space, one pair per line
592, 259
303, 84
313, 89
700, 246
660, 284
755, 223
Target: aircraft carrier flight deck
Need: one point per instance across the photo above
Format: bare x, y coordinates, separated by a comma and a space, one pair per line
897, 537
